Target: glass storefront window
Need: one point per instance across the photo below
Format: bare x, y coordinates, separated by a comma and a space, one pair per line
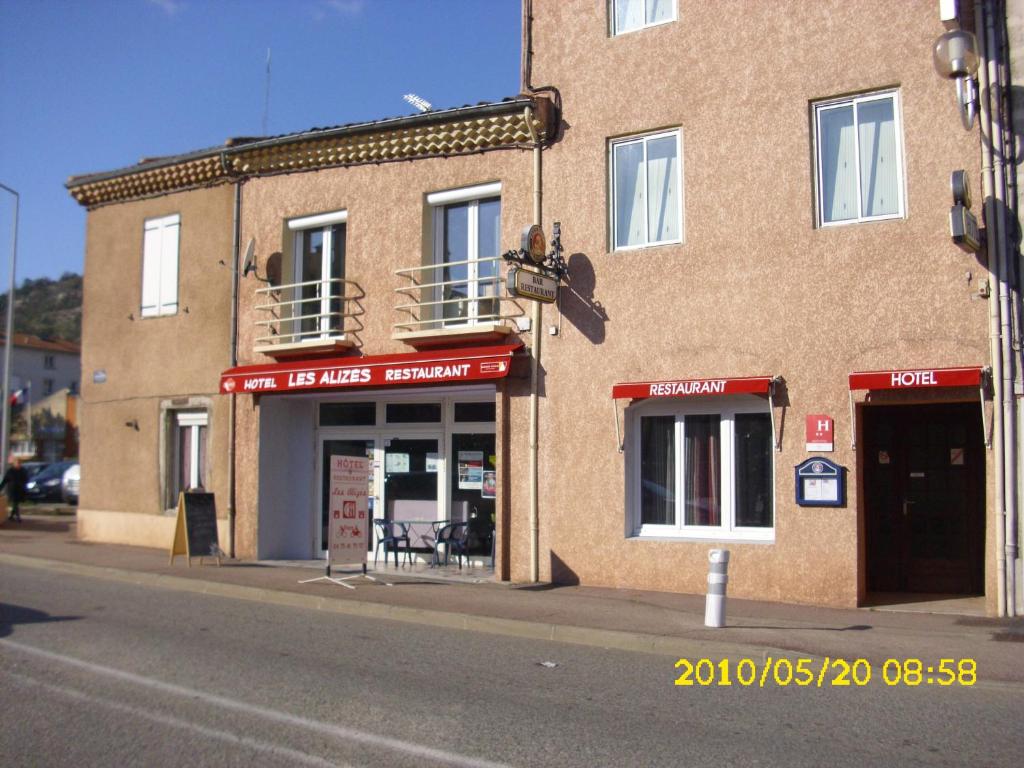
348, 414
413, 413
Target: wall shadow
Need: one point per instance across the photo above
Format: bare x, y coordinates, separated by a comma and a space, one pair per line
562, 574
578, 304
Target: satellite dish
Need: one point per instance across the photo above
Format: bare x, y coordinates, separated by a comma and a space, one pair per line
249, 262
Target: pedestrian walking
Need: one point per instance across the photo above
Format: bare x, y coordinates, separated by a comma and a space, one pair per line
14, 480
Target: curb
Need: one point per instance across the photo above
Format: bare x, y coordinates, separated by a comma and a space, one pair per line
662, 645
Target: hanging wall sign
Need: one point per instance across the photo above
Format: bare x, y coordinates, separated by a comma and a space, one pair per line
527, 284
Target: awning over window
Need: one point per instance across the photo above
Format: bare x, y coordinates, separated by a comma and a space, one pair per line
755, 385
415, 368
923, 378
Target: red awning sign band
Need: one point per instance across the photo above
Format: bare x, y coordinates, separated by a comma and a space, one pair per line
437, 367
756, 385
924, 378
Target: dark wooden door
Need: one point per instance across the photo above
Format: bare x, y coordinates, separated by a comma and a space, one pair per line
924, 498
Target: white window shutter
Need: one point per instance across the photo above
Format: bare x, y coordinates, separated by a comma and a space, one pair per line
169, 268
151, 247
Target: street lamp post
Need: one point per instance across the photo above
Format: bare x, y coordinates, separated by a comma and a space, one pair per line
5, 439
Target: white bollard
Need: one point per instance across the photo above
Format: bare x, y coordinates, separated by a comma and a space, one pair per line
718, 578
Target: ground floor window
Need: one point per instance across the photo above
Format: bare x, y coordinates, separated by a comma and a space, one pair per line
701, 471
189, 437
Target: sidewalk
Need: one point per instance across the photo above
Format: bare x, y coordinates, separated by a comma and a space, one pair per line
653, 622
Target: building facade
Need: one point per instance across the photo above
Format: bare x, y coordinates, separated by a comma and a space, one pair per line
766, 341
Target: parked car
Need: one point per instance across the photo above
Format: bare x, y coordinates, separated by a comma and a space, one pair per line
70, 483
33, 468
48, 484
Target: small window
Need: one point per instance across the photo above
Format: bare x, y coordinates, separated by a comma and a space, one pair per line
348, 414
189, 468
859, 159
700, 474
47, 386
475, 411
160, 266
413, 413
629, 15
49, 362
647, 199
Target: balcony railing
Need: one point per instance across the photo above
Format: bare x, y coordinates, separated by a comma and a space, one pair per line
309, 315
469, 304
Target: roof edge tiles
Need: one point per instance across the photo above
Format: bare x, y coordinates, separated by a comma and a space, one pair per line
462, 130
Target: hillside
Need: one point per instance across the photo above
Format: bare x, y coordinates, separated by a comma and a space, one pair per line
50, 309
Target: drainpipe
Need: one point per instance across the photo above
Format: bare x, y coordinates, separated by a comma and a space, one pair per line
1002, 369
995, 42
235, 241
535, 326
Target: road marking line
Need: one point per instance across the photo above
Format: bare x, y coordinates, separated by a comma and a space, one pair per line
174, 722
318, 726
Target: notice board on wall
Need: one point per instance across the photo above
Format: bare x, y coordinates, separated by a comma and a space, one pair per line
195, 530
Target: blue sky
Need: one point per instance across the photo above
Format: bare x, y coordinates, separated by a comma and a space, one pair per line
94, 85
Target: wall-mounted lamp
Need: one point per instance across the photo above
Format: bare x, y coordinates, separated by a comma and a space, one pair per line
956, 58
133, 424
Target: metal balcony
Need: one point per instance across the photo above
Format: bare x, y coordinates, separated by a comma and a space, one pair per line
471, 306
311, 317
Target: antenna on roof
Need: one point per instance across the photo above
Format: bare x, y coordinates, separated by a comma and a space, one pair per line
420, 103
266, 97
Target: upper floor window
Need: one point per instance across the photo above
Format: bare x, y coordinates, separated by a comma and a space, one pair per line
160, 266
318, 275
467, 248
628, 15
647, 199
859, 159
49, 362
702, 470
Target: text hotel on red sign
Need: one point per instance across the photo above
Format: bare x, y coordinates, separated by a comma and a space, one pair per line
935, 377
820, 432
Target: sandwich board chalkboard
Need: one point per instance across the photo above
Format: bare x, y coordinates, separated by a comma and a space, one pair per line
195, 531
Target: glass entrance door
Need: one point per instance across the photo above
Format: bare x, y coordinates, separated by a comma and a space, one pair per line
411, 469
346, 447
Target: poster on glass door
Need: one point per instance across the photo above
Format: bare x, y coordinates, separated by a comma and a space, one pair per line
471, 470
349, 523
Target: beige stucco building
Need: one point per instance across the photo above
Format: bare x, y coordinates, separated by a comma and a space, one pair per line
761, 289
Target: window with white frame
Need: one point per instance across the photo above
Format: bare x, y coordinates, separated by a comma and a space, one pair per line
188, 468
859, 159
160, 266
630, 15
467, 248
318, 275
700, 471
647, 190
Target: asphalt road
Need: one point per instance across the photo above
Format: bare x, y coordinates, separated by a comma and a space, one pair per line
96, 673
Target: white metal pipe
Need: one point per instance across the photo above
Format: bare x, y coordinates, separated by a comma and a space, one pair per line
997, 78
988, 190
538, 336
9, 340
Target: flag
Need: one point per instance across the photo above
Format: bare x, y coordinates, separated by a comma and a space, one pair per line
18, 397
